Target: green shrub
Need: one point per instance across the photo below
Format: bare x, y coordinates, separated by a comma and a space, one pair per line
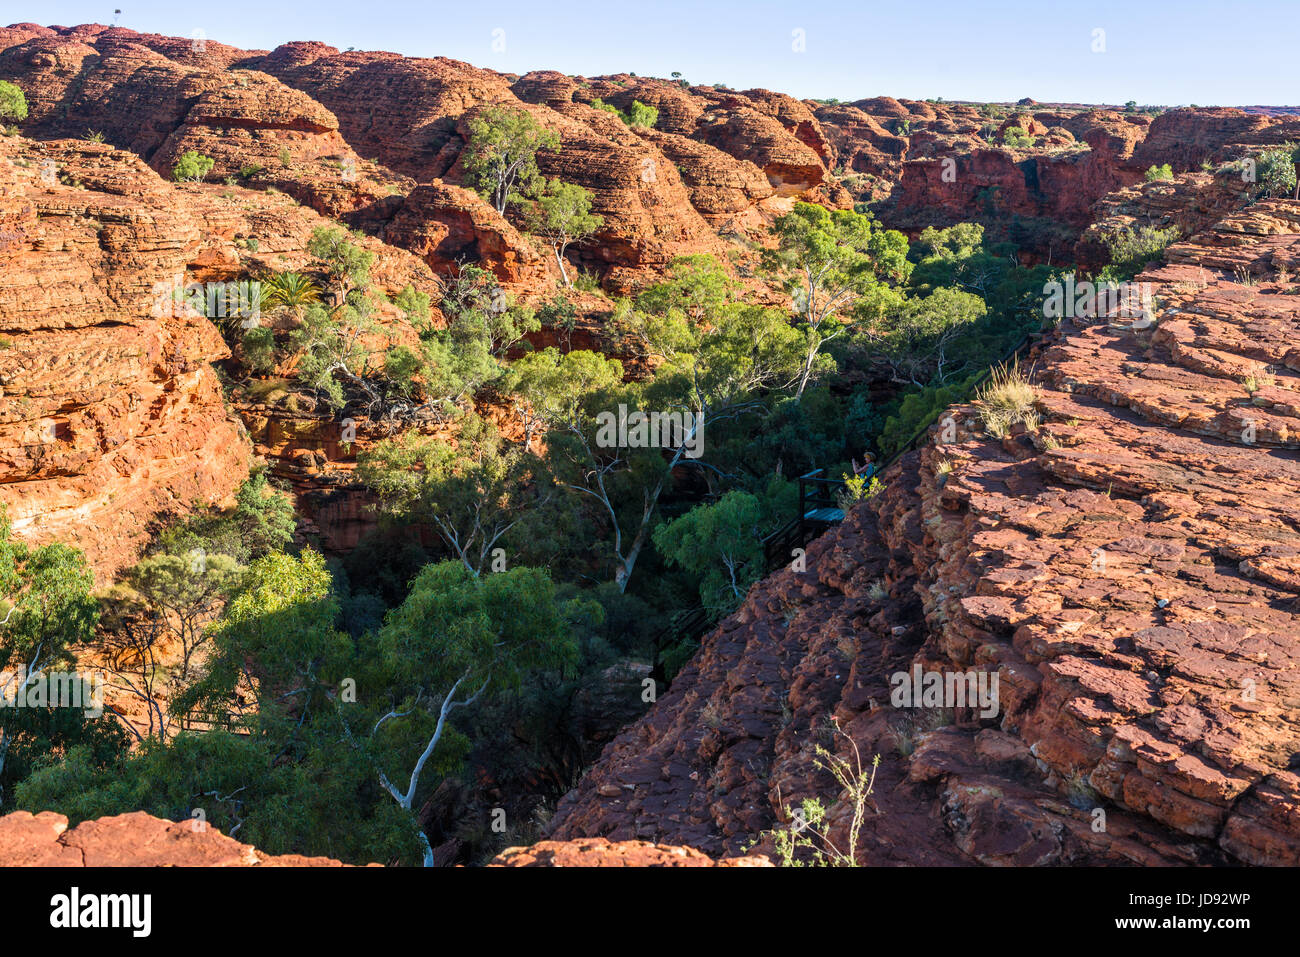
1132, 249
401, 366
13, 105
416, 306
1007, 398
1275, 171
918, 409
1159, 174
638, 114
259, 350
294, 291
586, 281
1016, 138
192, 166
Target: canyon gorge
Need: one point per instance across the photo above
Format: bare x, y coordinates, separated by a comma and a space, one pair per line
1127, 563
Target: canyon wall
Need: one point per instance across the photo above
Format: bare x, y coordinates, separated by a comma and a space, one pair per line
111, 414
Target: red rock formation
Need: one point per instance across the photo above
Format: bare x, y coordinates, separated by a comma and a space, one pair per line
659, 191
400, 110
139, 425
446, 225
1191, 202
721, 187
949, 175
130, 840
1185, 137
1130, 570
862, 143
111, 414
596, 852
993, 185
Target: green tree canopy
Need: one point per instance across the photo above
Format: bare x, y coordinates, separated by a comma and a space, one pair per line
46, 609
561, 214
722, 543
1276, 171
345, 261
838, 265
500, 158
13, 104
455, 638
922, 340
192, 166
472, 492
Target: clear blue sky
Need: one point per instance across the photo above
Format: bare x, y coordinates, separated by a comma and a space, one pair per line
1164, 52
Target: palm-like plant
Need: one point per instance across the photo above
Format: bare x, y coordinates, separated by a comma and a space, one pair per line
294, 291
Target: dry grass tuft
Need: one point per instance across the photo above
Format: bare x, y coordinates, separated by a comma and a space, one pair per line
1008, 398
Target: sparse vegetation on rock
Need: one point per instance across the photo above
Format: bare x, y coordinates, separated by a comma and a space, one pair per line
192, 167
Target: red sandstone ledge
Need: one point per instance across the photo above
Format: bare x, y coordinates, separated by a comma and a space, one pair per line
130, 840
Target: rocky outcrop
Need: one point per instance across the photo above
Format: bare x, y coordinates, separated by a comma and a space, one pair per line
353, 133
111, 414
412, 115
1130, 571
400, 110
1185, 137
1040, 196
446, 225
130, 840
596, 852
721, 187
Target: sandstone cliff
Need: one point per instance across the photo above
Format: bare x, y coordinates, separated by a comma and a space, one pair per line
354, 134
111, 414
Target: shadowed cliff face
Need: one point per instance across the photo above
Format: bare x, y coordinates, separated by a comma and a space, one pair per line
1130, 571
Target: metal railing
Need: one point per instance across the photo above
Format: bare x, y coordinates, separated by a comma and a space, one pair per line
779, 546
200, 720
690, 623
815, 493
